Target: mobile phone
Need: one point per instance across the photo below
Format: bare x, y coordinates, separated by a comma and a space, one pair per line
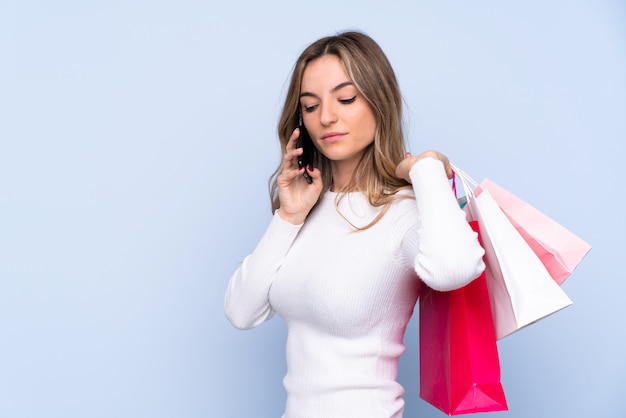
308, 156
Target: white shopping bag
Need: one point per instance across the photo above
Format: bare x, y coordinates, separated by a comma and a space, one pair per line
521, 289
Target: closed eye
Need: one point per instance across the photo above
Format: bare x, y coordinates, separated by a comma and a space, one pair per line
347, 101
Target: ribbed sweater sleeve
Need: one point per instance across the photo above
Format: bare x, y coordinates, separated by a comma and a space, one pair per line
444, 250
247, 297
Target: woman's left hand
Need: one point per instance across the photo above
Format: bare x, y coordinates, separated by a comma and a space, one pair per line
403, 169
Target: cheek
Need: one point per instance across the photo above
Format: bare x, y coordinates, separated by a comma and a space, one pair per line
367, 120
368, 126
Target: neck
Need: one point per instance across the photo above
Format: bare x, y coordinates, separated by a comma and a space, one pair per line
342, 174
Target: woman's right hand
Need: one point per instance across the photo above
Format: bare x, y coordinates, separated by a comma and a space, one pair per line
297, 197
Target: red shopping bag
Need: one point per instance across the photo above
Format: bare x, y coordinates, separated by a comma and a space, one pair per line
559, 250
459, 362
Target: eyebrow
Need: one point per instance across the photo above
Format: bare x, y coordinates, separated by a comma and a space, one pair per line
336, 88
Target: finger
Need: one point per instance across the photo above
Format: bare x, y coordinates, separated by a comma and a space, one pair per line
289, 176
291, 151
290, 159
293, 139
291, 168
312, 171
316, 176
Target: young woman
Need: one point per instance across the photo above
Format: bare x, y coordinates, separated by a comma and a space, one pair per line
345, 256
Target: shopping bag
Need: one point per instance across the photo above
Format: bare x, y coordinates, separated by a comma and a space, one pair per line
521, 289
459, 363
559, 249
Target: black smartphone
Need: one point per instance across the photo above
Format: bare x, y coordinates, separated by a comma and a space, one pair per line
308, 156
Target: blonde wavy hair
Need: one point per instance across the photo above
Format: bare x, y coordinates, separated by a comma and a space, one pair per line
372, 74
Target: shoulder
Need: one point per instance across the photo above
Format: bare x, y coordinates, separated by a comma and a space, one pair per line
403, 202
402, 211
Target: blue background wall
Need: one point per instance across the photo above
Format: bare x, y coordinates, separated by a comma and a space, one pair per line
136, 139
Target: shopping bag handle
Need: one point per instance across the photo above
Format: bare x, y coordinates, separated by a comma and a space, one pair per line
466, 182
463, 175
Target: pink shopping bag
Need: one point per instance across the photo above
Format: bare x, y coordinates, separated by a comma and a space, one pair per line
559, 250
459, 362
521, 289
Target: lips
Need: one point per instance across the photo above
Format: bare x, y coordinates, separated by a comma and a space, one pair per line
332, 137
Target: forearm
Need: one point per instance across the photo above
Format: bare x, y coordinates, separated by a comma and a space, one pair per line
247, 297
448, 255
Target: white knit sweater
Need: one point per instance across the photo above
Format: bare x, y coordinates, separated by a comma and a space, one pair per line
347, 296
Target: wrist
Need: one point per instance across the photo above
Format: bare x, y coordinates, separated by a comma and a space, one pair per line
294, 219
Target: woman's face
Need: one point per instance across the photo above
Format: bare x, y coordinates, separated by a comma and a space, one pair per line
339, 120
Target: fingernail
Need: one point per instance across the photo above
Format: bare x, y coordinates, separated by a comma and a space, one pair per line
310, 167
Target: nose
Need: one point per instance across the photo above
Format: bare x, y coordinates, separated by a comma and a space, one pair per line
328, 114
